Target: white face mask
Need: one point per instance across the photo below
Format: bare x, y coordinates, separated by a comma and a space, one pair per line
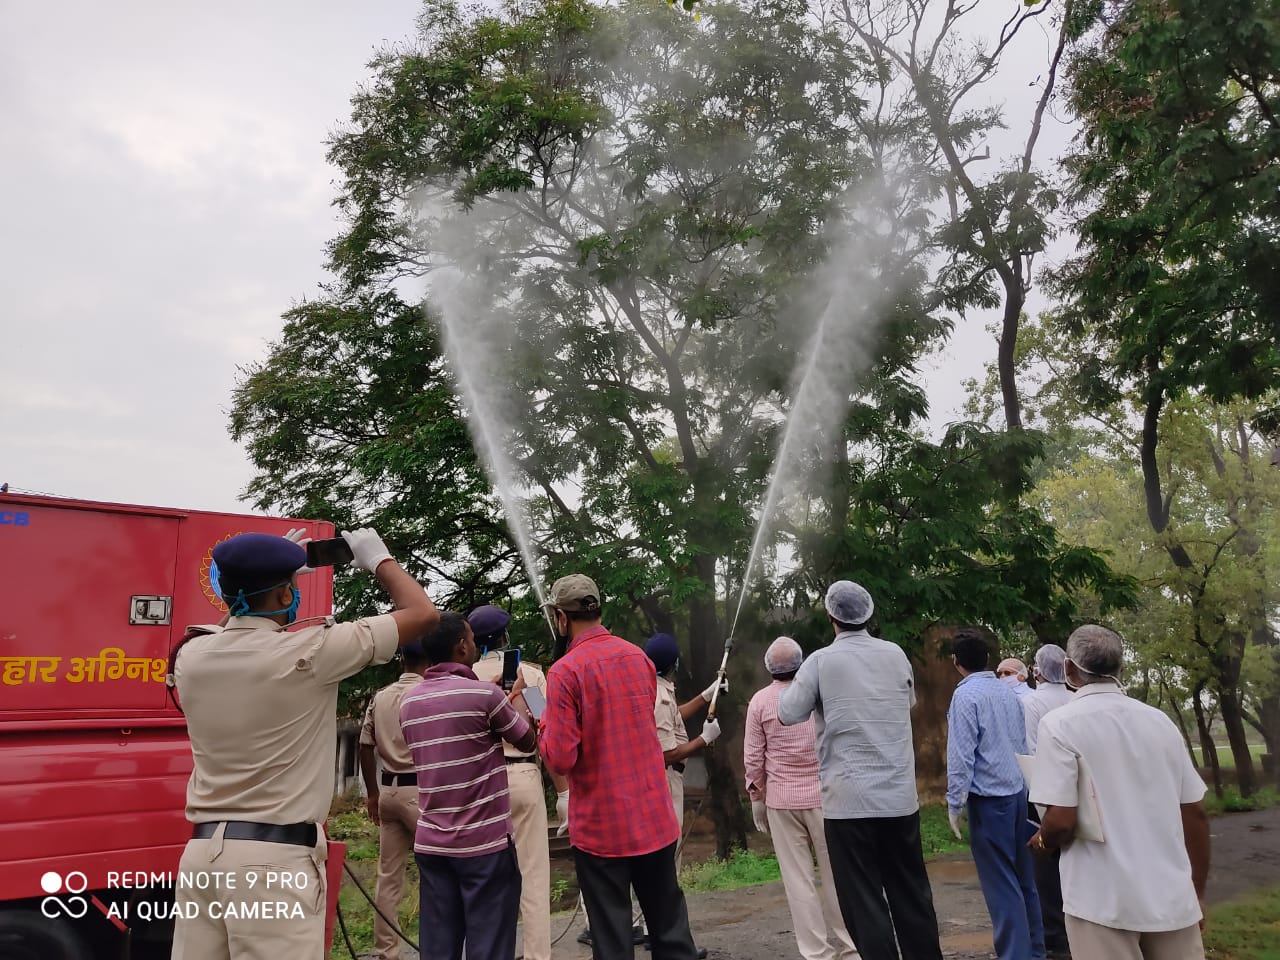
1011, 679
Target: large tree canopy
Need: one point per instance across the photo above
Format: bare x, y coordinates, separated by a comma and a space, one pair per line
647, 215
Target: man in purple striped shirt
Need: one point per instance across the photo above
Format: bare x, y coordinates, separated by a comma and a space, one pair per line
454, 725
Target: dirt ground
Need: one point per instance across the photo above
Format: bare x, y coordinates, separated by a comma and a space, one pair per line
753, 923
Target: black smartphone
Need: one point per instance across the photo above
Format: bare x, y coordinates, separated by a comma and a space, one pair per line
328, 553
510, 668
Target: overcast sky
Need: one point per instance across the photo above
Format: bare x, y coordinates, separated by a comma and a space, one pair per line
166, 198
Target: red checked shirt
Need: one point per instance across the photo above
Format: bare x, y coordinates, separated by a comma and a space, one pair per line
598, 731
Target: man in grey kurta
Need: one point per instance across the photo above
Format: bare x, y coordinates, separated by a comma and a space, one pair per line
862, 690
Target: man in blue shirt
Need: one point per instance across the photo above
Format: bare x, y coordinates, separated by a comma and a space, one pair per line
985, 733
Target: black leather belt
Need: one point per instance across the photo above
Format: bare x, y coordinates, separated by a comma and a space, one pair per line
399, 779
677, 767
533, 759
297, 834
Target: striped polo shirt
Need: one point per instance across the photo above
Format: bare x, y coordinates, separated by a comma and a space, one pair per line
454, 726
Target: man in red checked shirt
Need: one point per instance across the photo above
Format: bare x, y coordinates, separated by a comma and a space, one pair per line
598, 731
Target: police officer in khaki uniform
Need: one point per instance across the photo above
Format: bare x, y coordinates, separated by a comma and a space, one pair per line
670, 716
524, 777
394, 808
261, 709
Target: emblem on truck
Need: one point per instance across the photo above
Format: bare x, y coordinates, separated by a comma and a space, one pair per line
209, 575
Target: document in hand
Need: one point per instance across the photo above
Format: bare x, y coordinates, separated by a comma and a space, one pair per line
1088, 813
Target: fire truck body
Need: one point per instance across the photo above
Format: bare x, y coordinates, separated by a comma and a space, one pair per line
94, 756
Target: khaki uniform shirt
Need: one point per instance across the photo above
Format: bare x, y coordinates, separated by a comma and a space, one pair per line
489, 669
382, 725
666, 712
261, 706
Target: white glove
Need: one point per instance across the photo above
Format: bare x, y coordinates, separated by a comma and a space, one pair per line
710, 732
298, 535
955, 816
710, 692
760, 815
562, 812
367, 548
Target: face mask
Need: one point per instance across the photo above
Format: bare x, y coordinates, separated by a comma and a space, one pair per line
290, 612
239, 605
1011, 679
1090, 673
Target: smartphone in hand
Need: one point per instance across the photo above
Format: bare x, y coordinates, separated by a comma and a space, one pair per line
535, 701
510, 668
328, 553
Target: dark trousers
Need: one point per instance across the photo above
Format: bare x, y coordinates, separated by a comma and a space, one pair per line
882, 887
1049, 887
471, 900
998, 835
606, 884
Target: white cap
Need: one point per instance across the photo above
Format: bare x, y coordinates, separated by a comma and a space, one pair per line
848, 602
783, 656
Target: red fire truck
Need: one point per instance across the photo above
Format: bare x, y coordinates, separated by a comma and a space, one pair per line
94, 756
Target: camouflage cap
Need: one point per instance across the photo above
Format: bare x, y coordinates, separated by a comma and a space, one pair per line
575, 592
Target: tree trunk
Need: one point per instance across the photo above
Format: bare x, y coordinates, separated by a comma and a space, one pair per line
1014, 298
1208, 749
1182, 720
707, 649
1233, 720
1269, 719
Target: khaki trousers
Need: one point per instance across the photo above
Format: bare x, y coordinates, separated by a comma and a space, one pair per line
529, 820
261, 901
398, 813
1092, 941
675, 782
799, 839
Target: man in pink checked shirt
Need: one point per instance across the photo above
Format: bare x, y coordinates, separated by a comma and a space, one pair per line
782, 780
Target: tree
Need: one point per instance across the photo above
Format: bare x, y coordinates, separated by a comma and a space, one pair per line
1195, 619
647, 192
631, 211
1180, 269
932, 71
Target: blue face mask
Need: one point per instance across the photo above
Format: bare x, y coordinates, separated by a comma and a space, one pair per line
290, 612
239, 606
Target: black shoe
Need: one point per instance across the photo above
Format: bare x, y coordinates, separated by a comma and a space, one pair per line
638, 936
702, 953
585, 936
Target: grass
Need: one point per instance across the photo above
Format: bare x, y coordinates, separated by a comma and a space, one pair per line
1232, 802
742, 869
1227, 761
1245, 929
936, 838
359, 834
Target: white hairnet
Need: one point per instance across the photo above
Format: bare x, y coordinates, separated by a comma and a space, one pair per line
1051, 663
848, 602
783, 656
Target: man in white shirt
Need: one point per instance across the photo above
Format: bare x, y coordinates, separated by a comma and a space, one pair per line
1050, 693
1051, 689
1138, 894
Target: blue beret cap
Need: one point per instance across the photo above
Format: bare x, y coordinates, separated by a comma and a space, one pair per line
250, 559
488, 620
663, 651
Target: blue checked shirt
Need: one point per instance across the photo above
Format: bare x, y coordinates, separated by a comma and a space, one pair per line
985, 732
